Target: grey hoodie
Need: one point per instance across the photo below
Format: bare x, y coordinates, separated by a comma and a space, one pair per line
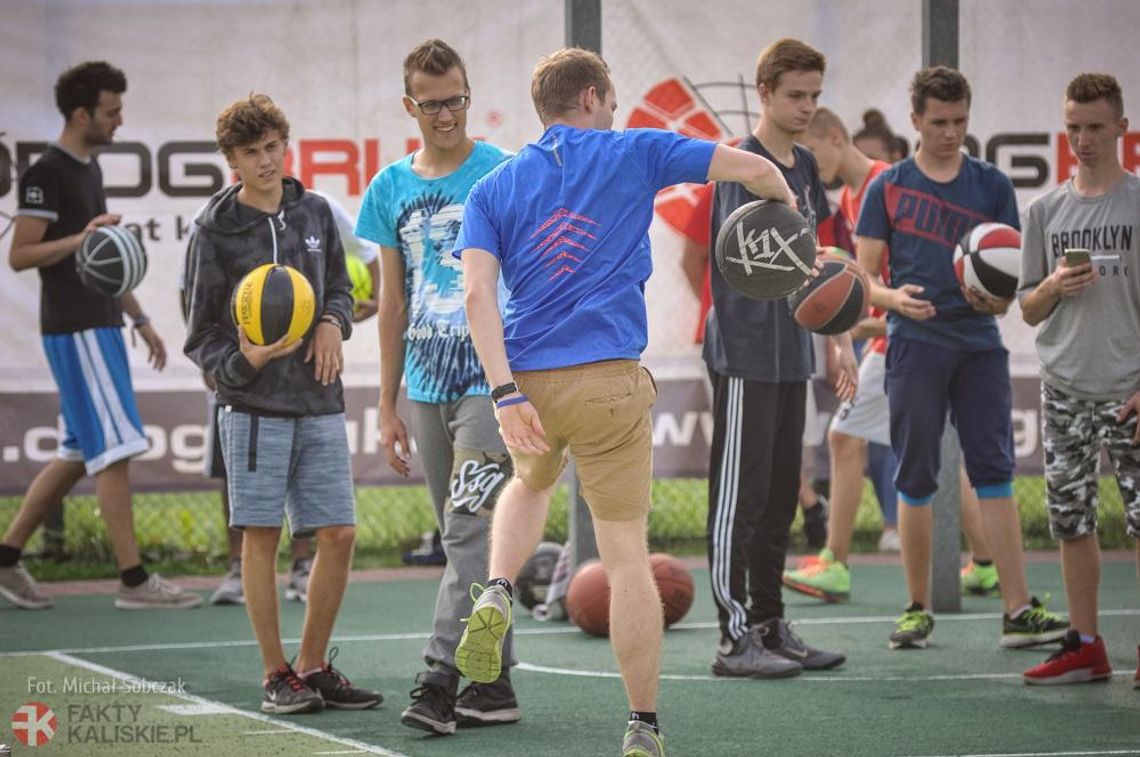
227, 245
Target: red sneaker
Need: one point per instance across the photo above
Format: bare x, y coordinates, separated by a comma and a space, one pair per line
1136, 680
1074, 662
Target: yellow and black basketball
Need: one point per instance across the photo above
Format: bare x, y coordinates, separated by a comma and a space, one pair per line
272, 301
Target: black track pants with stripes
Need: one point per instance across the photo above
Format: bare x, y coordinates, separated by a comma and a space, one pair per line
754, 478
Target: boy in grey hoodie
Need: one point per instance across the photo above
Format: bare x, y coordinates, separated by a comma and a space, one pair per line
280, 405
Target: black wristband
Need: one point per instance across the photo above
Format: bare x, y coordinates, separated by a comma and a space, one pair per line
502, 391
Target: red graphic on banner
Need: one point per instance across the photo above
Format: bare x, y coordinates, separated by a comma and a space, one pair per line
672, 105
34, 724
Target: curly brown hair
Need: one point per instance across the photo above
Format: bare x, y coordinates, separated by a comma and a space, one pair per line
246, 121
940, 82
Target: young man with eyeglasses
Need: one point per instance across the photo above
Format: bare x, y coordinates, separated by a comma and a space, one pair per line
413, 209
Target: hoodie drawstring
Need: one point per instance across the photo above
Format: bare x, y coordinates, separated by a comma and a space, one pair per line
273, 234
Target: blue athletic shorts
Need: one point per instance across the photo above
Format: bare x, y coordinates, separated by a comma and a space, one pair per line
99, 420
278, 466
926, 381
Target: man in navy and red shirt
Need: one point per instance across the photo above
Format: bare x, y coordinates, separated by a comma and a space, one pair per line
945, 353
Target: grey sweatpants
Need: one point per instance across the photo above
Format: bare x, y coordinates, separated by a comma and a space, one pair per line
466, 465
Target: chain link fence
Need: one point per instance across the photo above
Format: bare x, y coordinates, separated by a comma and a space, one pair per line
185, 530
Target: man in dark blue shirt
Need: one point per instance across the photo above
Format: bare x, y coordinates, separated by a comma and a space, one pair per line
760, 361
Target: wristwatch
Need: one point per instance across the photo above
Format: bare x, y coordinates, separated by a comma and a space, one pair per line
502, 391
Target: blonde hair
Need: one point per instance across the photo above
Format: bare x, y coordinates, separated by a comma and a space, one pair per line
560, 77
823, 120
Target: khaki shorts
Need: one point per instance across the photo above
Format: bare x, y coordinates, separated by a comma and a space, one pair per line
599, 412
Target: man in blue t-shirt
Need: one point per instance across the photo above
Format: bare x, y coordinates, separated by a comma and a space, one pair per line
945, 352
565, 222
413, 209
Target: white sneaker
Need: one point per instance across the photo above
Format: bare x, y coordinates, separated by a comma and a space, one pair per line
297, 589
230, 591
19, 588
156, 594
890, 541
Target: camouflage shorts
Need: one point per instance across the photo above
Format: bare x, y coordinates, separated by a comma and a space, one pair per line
1075, 430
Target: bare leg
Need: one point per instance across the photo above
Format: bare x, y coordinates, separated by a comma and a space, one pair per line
1003, 531
916, 526
972, 520
848, 459
113, 490
1080, 562
259, 582
635, 608
326, 589
50, 485
520, 517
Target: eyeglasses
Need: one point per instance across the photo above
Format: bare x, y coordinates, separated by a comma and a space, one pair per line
433, 107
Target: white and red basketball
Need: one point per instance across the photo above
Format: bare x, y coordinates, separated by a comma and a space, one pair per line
989, 258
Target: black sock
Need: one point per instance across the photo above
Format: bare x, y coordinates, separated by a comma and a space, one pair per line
503, 583
9, 556
915, 606
649, 718
983, 563
135, 576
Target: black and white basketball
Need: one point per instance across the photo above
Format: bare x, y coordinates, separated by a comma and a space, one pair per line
988, 258
111, 260
765, 250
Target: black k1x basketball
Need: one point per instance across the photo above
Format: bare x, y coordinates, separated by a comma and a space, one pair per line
765, 250
111, 260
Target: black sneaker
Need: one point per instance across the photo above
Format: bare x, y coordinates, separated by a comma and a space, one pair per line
487, 704
286, 694
777, 637
432, 708
338, 691
815, 524
1034, 626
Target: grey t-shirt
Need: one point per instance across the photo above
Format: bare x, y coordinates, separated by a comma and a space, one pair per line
1090, 344
759, 340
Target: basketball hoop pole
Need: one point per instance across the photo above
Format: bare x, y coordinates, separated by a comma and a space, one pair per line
940, 47
584, 30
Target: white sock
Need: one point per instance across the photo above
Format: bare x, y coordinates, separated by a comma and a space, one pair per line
1086, 639
1017, 613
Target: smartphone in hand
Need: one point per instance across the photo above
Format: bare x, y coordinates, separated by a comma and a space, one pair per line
1076, 256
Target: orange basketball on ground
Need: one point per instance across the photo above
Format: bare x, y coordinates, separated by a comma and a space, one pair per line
674, 584
588, 599
836, 300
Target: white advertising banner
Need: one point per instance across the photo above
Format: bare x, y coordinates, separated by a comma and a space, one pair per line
335, 67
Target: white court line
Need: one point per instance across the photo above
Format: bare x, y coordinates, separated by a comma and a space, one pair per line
1042, 754
274, 732
562, 629
360, 746
810, 678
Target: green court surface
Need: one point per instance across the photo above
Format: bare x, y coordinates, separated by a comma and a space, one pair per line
189, 680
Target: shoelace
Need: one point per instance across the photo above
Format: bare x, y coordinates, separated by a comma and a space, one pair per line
290, 677
342, 682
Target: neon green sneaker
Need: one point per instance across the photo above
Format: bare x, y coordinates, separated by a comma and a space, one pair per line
912, 629
642, 741
980, 580
825, 578
479, 655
